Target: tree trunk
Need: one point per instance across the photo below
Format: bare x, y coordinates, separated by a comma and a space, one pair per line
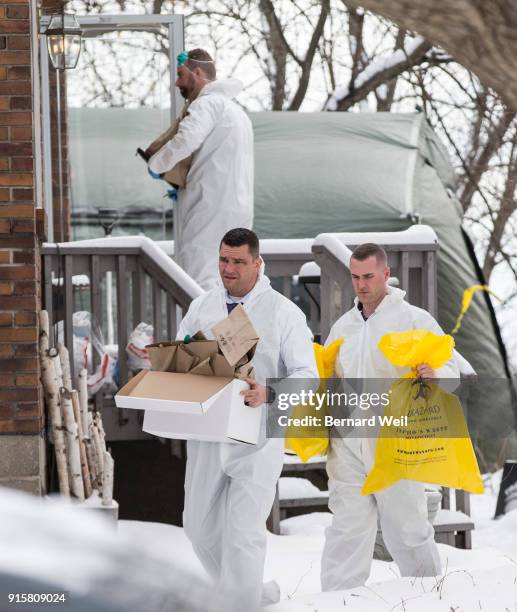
481, 35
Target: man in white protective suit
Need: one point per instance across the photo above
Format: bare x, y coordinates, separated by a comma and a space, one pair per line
230, 488
402, 508
218, 194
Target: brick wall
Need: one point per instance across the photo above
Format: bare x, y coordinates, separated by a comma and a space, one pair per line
21, 406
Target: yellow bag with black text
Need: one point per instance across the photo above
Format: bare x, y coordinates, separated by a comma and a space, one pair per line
310, 440
429, 441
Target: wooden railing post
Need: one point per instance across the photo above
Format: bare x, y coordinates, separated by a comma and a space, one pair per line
122, 318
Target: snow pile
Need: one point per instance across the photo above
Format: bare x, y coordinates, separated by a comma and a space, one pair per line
49, 545
298, 488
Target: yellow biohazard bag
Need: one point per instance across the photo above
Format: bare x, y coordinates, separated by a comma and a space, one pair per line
308, 441
428, 439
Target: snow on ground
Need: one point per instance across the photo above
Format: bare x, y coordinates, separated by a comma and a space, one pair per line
484, 578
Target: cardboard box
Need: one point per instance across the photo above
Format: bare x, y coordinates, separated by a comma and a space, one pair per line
192, 407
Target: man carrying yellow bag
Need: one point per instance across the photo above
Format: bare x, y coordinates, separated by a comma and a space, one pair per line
401, 507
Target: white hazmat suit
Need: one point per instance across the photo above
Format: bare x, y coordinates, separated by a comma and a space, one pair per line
402, 508
218, 195
230, 488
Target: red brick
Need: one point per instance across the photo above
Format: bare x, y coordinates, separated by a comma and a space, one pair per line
21, 149
19, 179
24, 287
18, 395
26, 350
17, 12
7, 380
3, 42
5, 227
4, 132
14, 27
15, 58
3, 73
29, 410
15, 88
21, 163
23, 195
17, 365
17, 272
18, 42
6, 320
16, 241
4, 195
25, 318
27, 380
15, 118
20, 103
26, 226
4, 103
18, 149
6, 411
23, 256
21, 133
19, 211
6, 350
22, 334
5, 257
4, 165
11, 302
20, 426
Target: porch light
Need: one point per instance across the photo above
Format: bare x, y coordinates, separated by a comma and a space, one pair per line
64, 41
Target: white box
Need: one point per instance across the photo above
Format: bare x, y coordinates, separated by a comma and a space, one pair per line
191, 407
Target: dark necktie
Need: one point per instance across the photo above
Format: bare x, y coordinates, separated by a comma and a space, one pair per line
232, 306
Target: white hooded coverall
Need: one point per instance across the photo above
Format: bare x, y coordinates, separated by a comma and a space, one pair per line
218, 195
402, 508
230, 488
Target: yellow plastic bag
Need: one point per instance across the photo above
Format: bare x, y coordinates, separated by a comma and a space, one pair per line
408, 349
430, 441
308, 441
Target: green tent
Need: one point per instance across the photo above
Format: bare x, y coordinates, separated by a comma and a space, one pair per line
326, 172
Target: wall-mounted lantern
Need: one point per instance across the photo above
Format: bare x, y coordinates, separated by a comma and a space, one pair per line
64, 40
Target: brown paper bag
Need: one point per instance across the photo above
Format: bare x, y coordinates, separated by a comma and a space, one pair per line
184, 360
245, 371
161, 356
203, 369
177, 176
203, 348
221, 367
236, 336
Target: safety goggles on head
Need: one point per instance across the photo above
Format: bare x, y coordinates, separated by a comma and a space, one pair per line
183, 58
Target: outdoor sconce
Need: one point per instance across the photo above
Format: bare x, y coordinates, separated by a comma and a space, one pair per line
108, 217
64, 41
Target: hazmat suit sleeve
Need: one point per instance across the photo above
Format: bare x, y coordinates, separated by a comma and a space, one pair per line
192, 131
188, 322
296, 350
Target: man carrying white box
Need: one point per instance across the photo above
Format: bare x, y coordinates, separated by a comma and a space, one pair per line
230, 488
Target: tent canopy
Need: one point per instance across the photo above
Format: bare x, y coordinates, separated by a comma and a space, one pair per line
318, 172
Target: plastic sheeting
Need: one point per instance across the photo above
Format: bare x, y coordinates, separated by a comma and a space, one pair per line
324, 172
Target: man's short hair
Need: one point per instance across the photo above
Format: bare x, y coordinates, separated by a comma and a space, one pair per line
370, 249
240, 236
199, 58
